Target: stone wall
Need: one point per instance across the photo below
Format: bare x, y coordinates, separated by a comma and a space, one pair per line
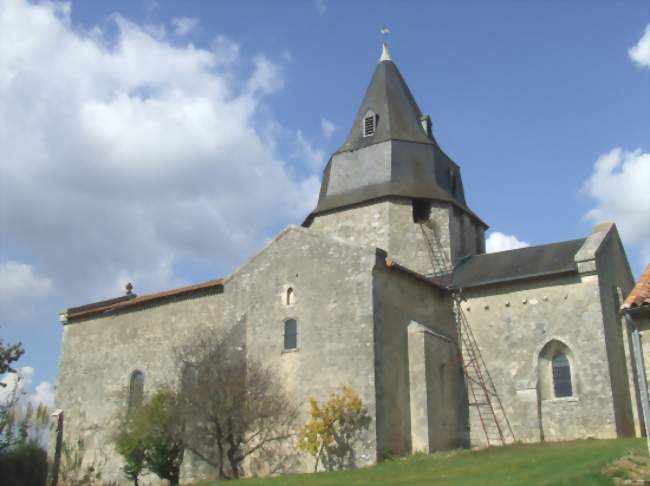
332, 301
421, 402
98, 356
389, 225
512, 323
363, 225
614, 279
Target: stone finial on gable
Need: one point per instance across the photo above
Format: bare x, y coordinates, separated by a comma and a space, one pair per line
585, 257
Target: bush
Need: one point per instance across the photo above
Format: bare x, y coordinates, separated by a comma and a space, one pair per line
150, 437
23, 465
333, 429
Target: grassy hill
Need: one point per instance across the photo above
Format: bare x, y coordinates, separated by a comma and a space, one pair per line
571, 463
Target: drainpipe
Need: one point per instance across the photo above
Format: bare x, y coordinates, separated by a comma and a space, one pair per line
641, 377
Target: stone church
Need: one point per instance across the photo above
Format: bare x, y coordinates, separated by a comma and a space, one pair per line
386, 288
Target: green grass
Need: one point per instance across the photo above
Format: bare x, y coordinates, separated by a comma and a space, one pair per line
571, 463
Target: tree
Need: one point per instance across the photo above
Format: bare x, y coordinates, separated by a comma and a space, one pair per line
151, 437
234, 407
333, 429
9, 354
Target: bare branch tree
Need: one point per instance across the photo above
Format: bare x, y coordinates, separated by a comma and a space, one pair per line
235, 409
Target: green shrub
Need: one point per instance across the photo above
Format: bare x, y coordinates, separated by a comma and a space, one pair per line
23, 465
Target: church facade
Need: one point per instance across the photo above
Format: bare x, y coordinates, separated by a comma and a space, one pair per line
386, 288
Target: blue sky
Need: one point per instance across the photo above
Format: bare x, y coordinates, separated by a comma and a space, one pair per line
164, 142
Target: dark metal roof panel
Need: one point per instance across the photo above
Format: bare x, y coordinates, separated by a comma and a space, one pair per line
503, 266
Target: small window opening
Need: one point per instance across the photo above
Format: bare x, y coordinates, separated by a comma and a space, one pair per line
136, 390
189, 378
290, 334
453, 181
289, 297
562, 375
421, 210
369, 125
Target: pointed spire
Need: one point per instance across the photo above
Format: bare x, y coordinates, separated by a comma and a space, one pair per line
385, 55
397, 114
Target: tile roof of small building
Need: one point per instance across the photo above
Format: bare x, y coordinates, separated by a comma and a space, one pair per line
528, 262
131, 301
640, 294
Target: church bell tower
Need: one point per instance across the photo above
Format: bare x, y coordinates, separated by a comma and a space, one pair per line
391, 186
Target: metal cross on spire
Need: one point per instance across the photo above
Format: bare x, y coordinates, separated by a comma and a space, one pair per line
385, 56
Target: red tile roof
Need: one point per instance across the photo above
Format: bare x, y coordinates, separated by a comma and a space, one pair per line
127, 301
640, 295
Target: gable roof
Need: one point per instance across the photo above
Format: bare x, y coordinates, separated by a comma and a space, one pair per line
503, 266
131, 301
640, 294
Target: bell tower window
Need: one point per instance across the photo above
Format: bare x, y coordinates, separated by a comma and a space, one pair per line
421, 210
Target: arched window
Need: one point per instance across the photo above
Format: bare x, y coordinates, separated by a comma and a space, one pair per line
136, 389
561, 375
290, 334
556, 377
189, 378
289, 298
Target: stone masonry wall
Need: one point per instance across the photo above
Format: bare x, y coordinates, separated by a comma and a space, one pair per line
512, 323
332, 291
98, 356
332, 302
399, 300
614, 274
388, 224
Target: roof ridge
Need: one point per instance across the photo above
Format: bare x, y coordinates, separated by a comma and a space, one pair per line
119, 303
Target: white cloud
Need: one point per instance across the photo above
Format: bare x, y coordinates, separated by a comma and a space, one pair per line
184, 25
19, 282
225, 50
619, 184
320, 6
308, 154
640, 53
328, 128
125, 155
266, 77
43, 393
501, 242
22, 383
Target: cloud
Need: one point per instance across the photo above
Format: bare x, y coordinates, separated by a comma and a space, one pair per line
184, 25
640, 53
328, 128
18, 282
501, 242
22, 383
126, 155
320, 6
308, 154
619, 186
22, 291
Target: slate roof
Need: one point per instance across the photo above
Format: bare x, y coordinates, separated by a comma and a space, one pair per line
418, 167
503, 266
390, 99
131, 301
640, 294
